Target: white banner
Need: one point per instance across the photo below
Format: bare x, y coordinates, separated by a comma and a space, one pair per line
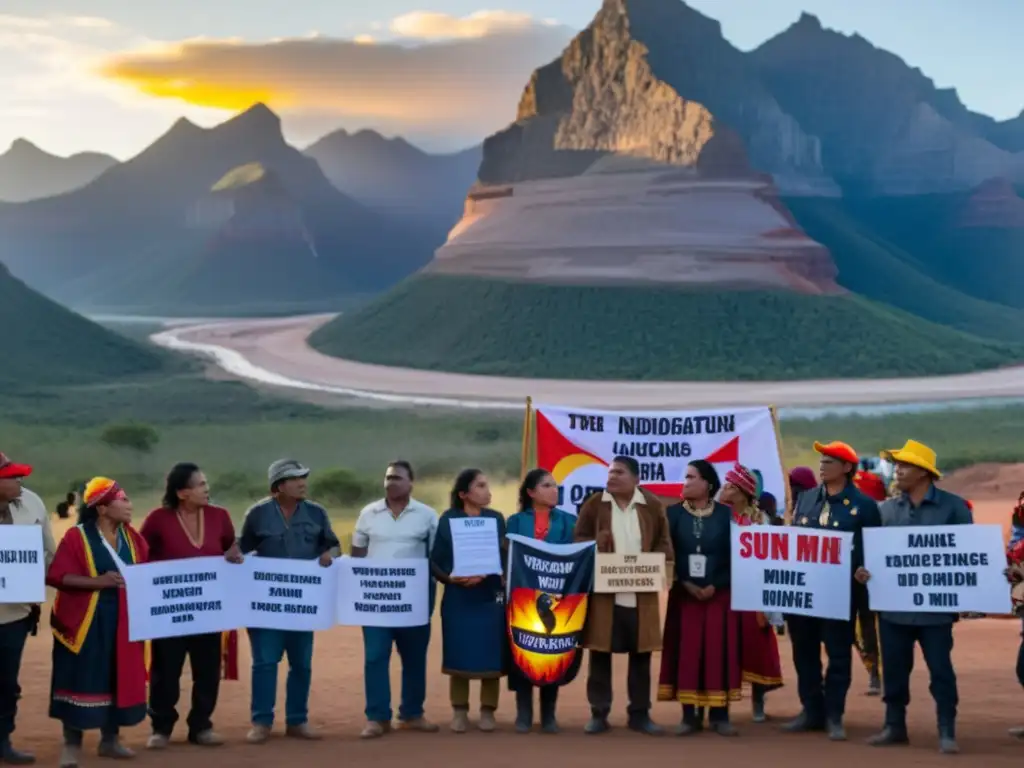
937, 569
22, 564
791, 571
383, 593
299, 595
577, 444
192, 596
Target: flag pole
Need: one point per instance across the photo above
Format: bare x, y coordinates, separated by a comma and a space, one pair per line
787, 515
527, 434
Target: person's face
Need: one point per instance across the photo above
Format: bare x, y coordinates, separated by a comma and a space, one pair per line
695, 487
198, 491
909, 477
832, 470
731, 495
479, 493
293, 488
397, 484
10, 489
620, 479
119, 511
546, 492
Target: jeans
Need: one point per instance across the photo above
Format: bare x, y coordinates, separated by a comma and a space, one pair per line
898, 657
268, 648
412, 645
12, 644
169, 654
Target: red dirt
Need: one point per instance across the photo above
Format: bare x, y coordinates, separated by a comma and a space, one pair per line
987, 482
985, 656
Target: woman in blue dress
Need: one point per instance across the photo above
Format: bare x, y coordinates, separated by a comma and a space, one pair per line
474, 645
539, 518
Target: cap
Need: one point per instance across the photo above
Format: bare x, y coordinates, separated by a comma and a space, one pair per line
286, 469
8, 469
839, 451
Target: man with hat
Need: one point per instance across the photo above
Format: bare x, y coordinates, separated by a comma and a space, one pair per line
919, 503
835, 505
285, 525
18, 506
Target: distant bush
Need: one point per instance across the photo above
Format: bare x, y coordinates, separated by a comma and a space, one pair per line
238, 485
140, 438
342, 487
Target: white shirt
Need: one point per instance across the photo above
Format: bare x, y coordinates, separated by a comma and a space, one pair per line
626, 535
384, 536
29, 510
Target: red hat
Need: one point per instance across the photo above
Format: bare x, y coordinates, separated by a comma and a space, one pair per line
9, 469
839, 451
743, 479
871, 485
803, 477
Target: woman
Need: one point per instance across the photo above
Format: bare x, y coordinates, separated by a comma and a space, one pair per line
474, 645
801, 479
759, 650
700, 661
538, 518
99, 676
187, 526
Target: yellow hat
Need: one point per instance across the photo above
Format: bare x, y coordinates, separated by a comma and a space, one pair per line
916, 454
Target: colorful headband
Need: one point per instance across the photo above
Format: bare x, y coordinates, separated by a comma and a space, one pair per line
101, 490
743, 479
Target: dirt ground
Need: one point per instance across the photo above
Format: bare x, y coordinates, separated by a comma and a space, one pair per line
985, 654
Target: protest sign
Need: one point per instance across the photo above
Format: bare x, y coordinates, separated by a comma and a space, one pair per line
791, 571
937, 569
383, 593
616, 572
22, 564
300, 595
476, 549
548, 589
576, 445
171, 598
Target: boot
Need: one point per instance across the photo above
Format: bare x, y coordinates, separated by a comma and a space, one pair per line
804, 722
875, 684
757, 703
947, 740
889, 736
460, 719
11, 756
524, 710
548, 703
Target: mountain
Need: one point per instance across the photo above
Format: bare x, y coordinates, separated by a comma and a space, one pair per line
29, 173
629, 225
220, 220
49, 345
396, 178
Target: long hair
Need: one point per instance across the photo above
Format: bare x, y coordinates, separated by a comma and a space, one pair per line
87, 514
709, 475
178, 479
530, 483
463, 482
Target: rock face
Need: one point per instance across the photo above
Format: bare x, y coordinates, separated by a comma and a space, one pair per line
29, 173
993, 205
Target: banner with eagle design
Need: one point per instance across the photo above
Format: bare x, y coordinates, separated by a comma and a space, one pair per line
548, 587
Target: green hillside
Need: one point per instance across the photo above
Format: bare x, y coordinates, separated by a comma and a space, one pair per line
47, 345
871, 265
504, 328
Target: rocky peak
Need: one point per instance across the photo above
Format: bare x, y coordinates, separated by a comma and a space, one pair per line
24, 148
257, 123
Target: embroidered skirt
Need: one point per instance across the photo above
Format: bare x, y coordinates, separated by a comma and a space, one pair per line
759, 652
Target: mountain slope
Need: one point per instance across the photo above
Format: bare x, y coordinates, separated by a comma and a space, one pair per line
29, 173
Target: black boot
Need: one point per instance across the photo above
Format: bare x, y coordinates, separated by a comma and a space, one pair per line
548, 703
889, 736
757, 699
524, 710
11, 756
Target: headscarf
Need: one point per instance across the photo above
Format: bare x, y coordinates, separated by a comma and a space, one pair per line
101, 490
760, 482
803, 478
768, 504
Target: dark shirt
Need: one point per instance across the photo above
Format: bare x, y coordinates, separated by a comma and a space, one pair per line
715, 542
168, 540
848, 510
937, 508
305, 536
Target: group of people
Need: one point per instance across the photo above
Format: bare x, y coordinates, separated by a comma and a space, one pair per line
708, 650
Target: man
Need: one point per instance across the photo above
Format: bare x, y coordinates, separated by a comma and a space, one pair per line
286, 525
628, 520
919, 503
871, 485
396, 527
836, 505
18, 506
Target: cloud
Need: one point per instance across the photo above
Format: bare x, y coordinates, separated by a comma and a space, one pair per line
441, 75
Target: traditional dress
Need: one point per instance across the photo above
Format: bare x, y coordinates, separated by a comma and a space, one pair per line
759, 648
99, 676
700, 659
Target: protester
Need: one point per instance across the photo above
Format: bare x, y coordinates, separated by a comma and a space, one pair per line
866, 639
800, 479
99, 676
920, 503
625, 519
1015, 574
396, 527
769, 505
759, 650
538, 518
700, 660
836, 505
473, 626
187, 526
287, 525
18, 506
64, 508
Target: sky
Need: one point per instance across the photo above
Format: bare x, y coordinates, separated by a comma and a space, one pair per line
112, 75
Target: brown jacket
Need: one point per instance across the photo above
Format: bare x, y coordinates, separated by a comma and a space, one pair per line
595, 524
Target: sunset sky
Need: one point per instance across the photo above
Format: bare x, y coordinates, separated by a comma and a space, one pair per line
111, 75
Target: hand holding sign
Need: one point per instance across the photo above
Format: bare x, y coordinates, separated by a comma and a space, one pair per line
109, 580
862, 575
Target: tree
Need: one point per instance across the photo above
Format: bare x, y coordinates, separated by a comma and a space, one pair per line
138, 438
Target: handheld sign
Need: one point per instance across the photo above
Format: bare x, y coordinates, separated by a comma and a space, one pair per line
22, 565
299, 595
475, 546
616, 572
383, 593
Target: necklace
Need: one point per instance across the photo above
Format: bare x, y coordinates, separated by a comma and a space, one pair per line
197, 539
699, 515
